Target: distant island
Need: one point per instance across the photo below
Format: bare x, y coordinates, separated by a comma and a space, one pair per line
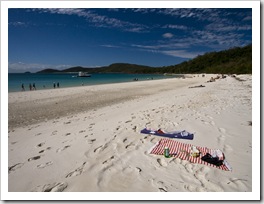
236, 60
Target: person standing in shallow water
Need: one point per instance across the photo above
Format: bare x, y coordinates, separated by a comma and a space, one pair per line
34, 86
30, 87
23, 88
54, 85
58, 85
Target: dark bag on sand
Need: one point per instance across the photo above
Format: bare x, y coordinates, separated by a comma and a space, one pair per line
212, 160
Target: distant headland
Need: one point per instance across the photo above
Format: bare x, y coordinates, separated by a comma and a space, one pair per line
236, 60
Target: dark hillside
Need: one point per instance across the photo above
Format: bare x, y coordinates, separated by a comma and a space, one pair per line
49, 71
233, 61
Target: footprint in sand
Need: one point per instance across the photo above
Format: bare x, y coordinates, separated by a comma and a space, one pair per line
55, 121
42, 151
152, 140
237, 183
134, 128
146, 137
130, 145
95, 150
212, 123
132, 170
147, 124
114, 137
139, 169
227, 148
220, 138
189, 167
41, 166
54, 187
201, 176
76, 172
34, 158
124, 140
191, 188
67, 134
161, 162
205, 122
176, 160
63, 148
209, 117
173, 159
159, 184
222, 130
40, 144
142, 141
66, 141
15, 167
91, 125
112, 157
91, 141
162, 187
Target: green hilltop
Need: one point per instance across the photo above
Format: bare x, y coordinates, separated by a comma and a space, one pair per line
236, 60
233, 61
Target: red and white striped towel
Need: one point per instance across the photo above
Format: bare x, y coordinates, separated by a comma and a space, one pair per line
182, 151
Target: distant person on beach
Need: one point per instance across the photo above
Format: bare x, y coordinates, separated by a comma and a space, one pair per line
23, 88
30, 87
54, 85
58, 85
34, 86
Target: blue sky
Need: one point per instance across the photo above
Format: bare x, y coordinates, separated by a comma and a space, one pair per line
65, 37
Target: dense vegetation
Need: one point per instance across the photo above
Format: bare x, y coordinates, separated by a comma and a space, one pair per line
233, 61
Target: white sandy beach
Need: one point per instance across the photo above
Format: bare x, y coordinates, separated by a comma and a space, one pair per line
88, 139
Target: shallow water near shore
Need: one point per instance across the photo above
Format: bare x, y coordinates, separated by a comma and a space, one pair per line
46, 81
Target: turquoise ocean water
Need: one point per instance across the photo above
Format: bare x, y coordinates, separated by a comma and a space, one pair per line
46, 81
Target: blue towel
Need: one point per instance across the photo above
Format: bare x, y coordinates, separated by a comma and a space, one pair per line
177, 134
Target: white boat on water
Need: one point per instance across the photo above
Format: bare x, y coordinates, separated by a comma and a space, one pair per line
83, 74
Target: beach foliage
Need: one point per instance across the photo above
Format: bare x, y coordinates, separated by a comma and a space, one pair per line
233, 61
